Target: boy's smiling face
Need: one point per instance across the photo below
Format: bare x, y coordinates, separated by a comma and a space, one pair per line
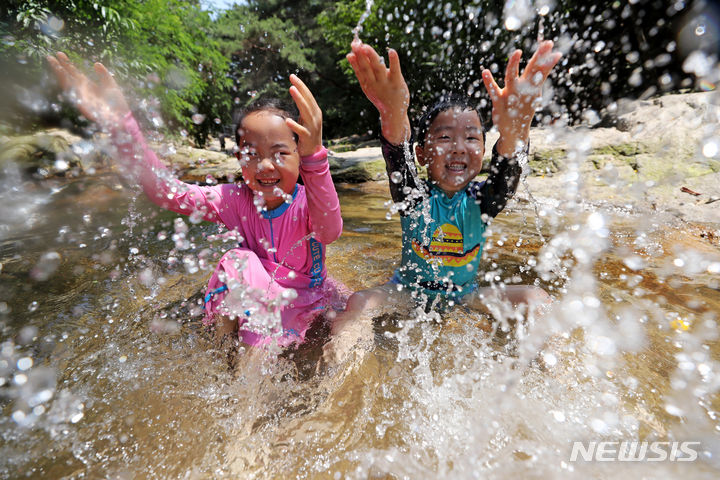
453, 150
268, 156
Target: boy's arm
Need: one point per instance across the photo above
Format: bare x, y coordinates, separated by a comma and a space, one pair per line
400, 171
385, 88
493, 194
513, 106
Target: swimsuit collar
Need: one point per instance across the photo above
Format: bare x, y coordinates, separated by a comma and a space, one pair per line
436, 192
277, 211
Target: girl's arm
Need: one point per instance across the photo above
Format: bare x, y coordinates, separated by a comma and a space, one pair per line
104, 103
322, 199
159, 184
323, 202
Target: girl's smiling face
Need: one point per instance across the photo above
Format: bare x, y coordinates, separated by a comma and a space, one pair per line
268, 156
453, 150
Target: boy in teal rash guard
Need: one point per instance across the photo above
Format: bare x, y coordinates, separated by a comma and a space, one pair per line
444, 219
444, 234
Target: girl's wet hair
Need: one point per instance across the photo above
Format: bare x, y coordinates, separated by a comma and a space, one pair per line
446, 102
272, 105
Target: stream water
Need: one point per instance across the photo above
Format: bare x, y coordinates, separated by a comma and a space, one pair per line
106, 371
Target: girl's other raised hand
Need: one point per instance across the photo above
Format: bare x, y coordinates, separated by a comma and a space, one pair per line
384, 87
102, 102
514, 105
309, 129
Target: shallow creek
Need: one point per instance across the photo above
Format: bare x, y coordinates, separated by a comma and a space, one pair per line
107, 371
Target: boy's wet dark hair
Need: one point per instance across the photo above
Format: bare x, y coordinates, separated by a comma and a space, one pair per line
272, 105
446, 102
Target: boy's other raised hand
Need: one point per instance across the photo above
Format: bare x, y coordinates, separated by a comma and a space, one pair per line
102, 102
309, 129
514, 105
384, 87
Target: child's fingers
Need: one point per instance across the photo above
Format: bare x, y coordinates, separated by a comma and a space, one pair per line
301, 131
59, 71
353, 61
304, 91
74, 73
365, 61
543, 49
554, 59
376, 63
300, 101
513, 69
106, 78
358, 67
490, 85
394, 60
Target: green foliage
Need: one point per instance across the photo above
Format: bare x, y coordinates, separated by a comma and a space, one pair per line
444, 45
266, 41
181, 62
159, 49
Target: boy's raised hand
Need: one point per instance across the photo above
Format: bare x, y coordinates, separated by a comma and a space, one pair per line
384, 87
102, 102
514, 105
309, 129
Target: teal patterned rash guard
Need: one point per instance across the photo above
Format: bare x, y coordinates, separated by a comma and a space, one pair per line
442, 237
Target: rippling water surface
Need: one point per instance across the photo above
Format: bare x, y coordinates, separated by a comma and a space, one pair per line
107, 372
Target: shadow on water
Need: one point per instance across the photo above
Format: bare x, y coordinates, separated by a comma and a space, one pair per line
108, 373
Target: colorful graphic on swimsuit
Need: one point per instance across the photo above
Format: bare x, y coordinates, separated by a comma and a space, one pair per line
447, 246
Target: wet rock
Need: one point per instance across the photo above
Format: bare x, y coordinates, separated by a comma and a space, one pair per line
49, 153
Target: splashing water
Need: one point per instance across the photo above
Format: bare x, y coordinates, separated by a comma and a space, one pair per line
103, 357
358, 28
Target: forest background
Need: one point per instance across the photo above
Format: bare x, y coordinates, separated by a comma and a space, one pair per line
189, 68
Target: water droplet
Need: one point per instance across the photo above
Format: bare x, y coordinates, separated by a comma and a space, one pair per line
33, 306
549, 359
396, 177
46, 266
25, 363
710, 148
512, 23
673, 410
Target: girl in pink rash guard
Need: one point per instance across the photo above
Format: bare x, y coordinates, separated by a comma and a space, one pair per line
277, 271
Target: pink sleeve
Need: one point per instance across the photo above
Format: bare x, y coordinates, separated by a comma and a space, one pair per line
159, 184
323, 202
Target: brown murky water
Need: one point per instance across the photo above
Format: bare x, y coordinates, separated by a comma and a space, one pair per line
124, 382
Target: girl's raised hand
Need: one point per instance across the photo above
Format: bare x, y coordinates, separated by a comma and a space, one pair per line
514, 105
309, 129
384, 87
101, 102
